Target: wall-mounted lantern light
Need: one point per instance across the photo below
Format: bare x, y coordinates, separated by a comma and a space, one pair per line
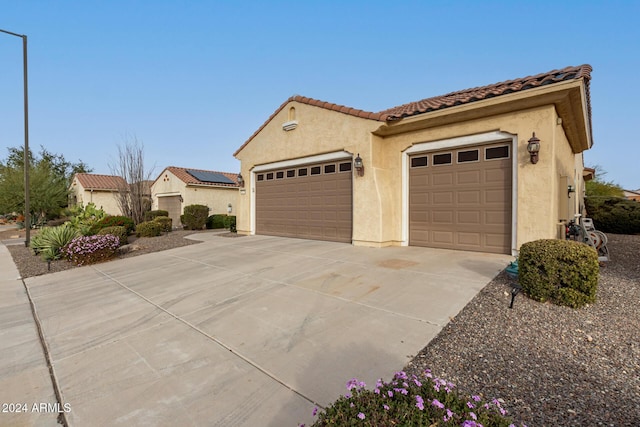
570, 189
181, 199
533, 148
240, 180
358, 165
229, 208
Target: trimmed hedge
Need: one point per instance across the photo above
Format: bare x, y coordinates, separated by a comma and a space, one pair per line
215, 221
614, 214
194, 217
114, 221
561, 271
230, 222
151, 215
165, 222
148, 229
119, 231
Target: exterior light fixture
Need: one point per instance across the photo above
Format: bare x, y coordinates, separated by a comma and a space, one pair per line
358, 165
570, 189
229, 208
181, 199
240, 180
533, 148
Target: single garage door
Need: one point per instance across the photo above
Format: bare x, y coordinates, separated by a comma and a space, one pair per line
461, 199
309, 201
173, 205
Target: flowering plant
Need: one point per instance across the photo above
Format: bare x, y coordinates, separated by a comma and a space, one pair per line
91, 249
412, 401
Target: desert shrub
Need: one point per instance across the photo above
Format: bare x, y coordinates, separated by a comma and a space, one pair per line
230, 222
85, 250
83, 218
114, 221
150, 215
165, 222
119, 231
614, 214
194, 217
411, 401
50, 240
148, 229
215, 221
561, 271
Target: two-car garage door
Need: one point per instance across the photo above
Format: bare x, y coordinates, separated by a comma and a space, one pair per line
311, 201
461, 199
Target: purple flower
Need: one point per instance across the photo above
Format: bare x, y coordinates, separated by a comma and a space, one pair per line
401, 375
390, 393
420, 402
476, 398
361, 416
471, 405
437, 403
386, 407
472, 415
315, 411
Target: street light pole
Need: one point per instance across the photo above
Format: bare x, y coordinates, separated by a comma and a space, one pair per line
27, 214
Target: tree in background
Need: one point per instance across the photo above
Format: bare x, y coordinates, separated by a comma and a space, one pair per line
599, 187
134, 198
49, 178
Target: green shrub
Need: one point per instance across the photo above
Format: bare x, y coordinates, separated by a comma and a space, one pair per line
148, 229
50, 240
614, 214
194, 217
165, 222
151, 215
411, 401
119, 231
84, 218
114, 221
561, 271
230, 222
85, 250
215, 221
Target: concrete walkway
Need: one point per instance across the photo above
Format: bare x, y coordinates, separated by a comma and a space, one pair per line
249, 331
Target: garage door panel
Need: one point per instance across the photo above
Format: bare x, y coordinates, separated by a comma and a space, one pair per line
313, 206
461, 205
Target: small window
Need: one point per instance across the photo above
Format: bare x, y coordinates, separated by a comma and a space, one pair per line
419, 162
291, 173
496, 152
467, 156
315, 170
261, 177
345, 167
270, 175
442, 159
329, 168
302, 172
279, 175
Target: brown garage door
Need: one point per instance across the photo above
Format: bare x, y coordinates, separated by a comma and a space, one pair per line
461, 199
173, 205
308, 201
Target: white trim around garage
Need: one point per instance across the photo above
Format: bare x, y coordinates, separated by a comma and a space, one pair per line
479, 139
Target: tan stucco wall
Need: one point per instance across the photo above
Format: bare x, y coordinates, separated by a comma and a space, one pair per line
105, 200
377, 197
319, 131
216, 198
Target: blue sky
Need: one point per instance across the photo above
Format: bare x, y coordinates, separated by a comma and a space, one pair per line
193, 80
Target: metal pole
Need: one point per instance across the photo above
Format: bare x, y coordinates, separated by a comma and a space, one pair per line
27, 214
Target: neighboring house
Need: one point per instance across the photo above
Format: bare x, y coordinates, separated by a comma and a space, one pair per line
101, 190
632, 195
451, 171
177, 187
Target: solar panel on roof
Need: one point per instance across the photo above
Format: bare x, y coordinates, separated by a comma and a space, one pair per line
213, 177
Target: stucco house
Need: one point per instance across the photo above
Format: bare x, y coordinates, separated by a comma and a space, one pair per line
453, 171
178, 187
101, 190
632, 195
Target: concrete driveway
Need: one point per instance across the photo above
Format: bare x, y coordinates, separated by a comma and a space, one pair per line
248, 331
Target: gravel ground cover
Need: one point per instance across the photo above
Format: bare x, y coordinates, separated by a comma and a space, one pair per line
30, 265
553, 366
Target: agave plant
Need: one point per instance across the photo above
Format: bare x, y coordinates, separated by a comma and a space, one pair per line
48, 242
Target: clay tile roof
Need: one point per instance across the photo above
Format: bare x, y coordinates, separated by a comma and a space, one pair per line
187, 178
449, 100
91, 181
485, 92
